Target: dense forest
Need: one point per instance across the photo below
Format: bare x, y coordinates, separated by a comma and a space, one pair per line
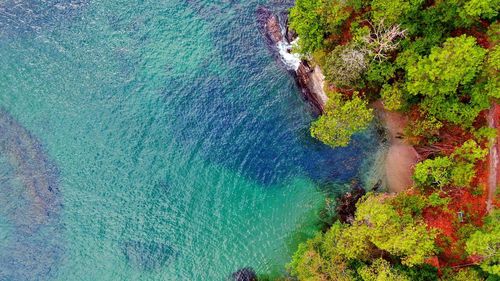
437, 63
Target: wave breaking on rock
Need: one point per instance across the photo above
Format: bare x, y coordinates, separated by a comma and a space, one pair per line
281, 42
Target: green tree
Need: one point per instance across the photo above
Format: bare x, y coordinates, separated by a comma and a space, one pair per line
381, 270
307, 22
313, 20
475, 9
456, 169
466, 274
379, 73
435, 200
341, 120
388, 231
463, 13
316, 260
351, 252
443, 78
490, 85
433, 172
486, 243
427, 127
392, 95
393, 11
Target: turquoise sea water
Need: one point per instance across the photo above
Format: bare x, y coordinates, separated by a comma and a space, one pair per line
152, 140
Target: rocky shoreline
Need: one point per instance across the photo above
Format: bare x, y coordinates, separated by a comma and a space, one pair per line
309, 78
400, 158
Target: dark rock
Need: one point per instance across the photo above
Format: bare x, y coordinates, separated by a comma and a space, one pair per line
346, 207
275, 29
377, 186
269, 25
290, 34
244, 274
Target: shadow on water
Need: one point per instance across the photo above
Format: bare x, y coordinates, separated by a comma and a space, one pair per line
31, 204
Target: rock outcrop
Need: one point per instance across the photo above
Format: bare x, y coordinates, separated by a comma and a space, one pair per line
346, 205
311, 82
270, 26
277, 34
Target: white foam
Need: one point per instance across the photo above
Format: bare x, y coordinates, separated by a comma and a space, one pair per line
291, 60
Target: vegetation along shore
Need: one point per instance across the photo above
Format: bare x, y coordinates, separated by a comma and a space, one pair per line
429, 72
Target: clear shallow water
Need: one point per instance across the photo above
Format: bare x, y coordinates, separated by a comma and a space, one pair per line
176, 145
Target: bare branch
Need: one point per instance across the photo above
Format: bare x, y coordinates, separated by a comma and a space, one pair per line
383, 40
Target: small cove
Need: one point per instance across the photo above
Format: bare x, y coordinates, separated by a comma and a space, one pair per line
182, 147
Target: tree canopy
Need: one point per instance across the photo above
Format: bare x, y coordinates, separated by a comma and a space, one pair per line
378, 230
445, 77
342, 119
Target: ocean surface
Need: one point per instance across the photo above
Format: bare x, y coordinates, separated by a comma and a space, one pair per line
153, 140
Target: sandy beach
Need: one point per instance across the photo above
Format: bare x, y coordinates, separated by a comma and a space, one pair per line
401, 157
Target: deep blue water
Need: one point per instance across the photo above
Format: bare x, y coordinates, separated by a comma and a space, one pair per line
178, 145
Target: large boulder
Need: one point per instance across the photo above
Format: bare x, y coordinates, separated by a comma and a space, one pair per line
346, 205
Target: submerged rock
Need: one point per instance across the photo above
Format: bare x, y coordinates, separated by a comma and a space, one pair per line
270, 25
148, 255
30, 204
244, 274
